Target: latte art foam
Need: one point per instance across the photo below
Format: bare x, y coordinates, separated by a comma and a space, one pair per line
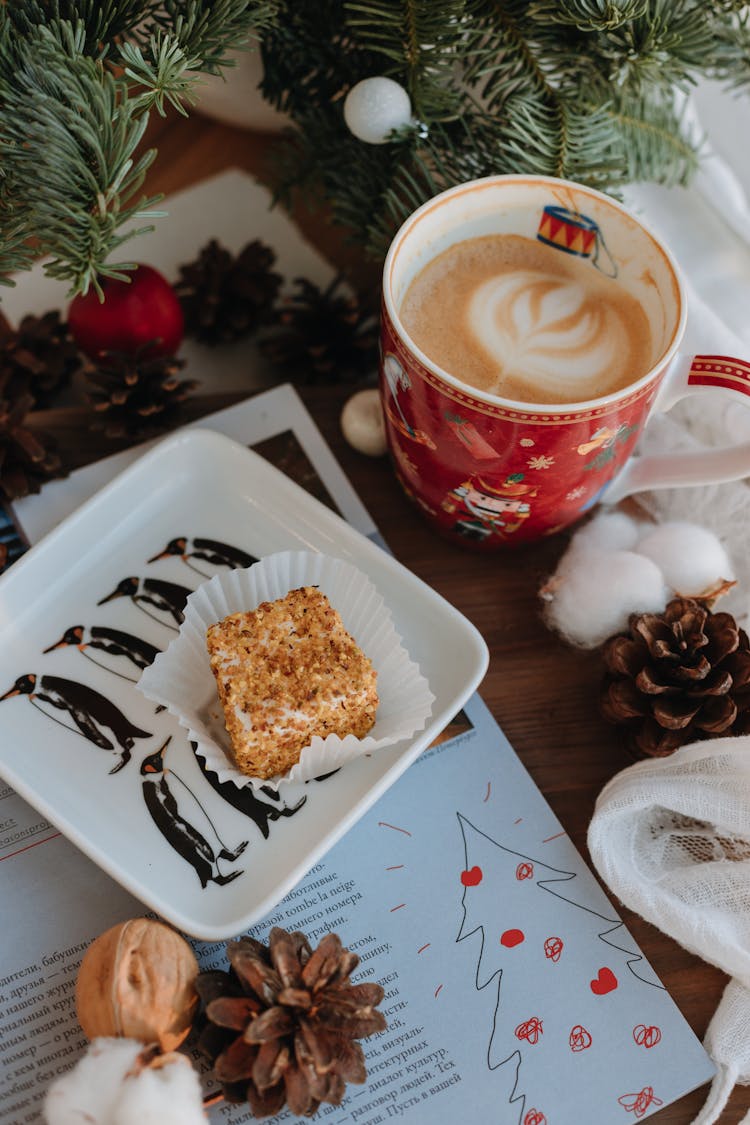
548, 330
513, 317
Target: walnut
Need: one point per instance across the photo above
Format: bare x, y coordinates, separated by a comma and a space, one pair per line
137, 981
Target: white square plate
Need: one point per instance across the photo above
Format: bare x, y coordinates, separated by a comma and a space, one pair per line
83, 611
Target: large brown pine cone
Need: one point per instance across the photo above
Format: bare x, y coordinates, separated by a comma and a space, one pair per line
282, 1024
677, 677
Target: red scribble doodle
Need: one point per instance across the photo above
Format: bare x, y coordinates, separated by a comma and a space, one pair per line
511, 938
579, 1038
383, 824
553, 948
531, 1030
535, 1117
640, 1102
525, 871
472, 877
423, 947
646, 1036
487, 794
518, 821
555, 837
395, 867
439, 987
400, 906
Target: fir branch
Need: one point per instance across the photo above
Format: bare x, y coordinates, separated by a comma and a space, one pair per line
306, 68
77, 81
164, 73
588, 15
421, 43
651, 141
206, 29
663, 47
103, 21
66, 123
730, 32
15, 253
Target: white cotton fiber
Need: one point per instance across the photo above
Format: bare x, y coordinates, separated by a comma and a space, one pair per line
89, 1091
611, 531
691, 558
594, 592
109, 1087
166, 1094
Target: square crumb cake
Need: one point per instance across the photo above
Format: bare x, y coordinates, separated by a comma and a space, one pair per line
285, 672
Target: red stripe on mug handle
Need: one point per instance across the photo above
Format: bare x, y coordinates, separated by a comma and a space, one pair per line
690, 375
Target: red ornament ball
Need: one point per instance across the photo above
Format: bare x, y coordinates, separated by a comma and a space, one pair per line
141, 315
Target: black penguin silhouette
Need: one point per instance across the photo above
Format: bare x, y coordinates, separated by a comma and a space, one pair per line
209, 550
91, 712
166, 597
247, 801
112, 641
183, 836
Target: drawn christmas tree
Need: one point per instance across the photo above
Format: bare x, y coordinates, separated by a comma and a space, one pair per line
568, 990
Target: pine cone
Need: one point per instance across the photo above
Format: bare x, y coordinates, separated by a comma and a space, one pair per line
324, 337
283, 1022
28, 457
226, 298
135, 396
39, 357
678, 677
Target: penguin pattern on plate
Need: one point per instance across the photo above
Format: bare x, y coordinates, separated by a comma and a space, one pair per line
173, 804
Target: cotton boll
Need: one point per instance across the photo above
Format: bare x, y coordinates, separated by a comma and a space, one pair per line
118, 1082
594, 592
89, 1091
609, 531
166, 1093
690, 557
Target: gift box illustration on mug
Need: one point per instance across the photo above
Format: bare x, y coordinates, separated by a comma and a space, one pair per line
574, 233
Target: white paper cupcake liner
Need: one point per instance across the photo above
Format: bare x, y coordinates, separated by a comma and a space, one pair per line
181, 678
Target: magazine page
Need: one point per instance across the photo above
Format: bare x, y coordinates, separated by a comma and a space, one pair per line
513, 990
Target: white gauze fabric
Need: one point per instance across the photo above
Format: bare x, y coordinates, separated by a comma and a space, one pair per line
671, 839
707, 226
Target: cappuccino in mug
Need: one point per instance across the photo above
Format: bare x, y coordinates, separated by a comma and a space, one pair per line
514, 317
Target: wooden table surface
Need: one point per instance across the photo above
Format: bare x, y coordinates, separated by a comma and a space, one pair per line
542, 692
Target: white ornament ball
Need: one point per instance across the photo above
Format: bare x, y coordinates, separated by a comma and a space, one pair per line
362, 423
375, 107
691, 558
594, 592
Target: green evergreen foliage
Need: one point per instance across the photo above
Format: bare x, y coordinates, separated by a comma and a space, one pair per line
589, 90
78, 79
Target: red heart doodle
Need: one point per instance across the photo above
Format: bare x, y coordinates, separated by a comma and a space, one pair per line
472, 877
511, 938
605, 982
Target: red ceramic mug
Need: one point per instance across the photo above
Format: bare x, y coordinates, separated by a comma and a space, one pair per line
488, 471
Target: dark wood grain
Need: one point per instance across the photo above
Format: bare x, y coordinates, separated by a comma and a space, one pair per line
542, 692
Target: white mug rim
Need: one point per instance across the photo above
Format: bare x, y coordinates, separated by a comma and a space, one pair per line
517, 405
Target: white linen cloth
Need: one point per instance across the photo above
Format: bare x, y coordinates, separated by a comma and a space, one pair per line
671, 838
707, 228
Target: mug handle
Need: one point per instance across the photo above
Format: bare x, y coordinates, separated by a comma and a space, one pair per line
689, 375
